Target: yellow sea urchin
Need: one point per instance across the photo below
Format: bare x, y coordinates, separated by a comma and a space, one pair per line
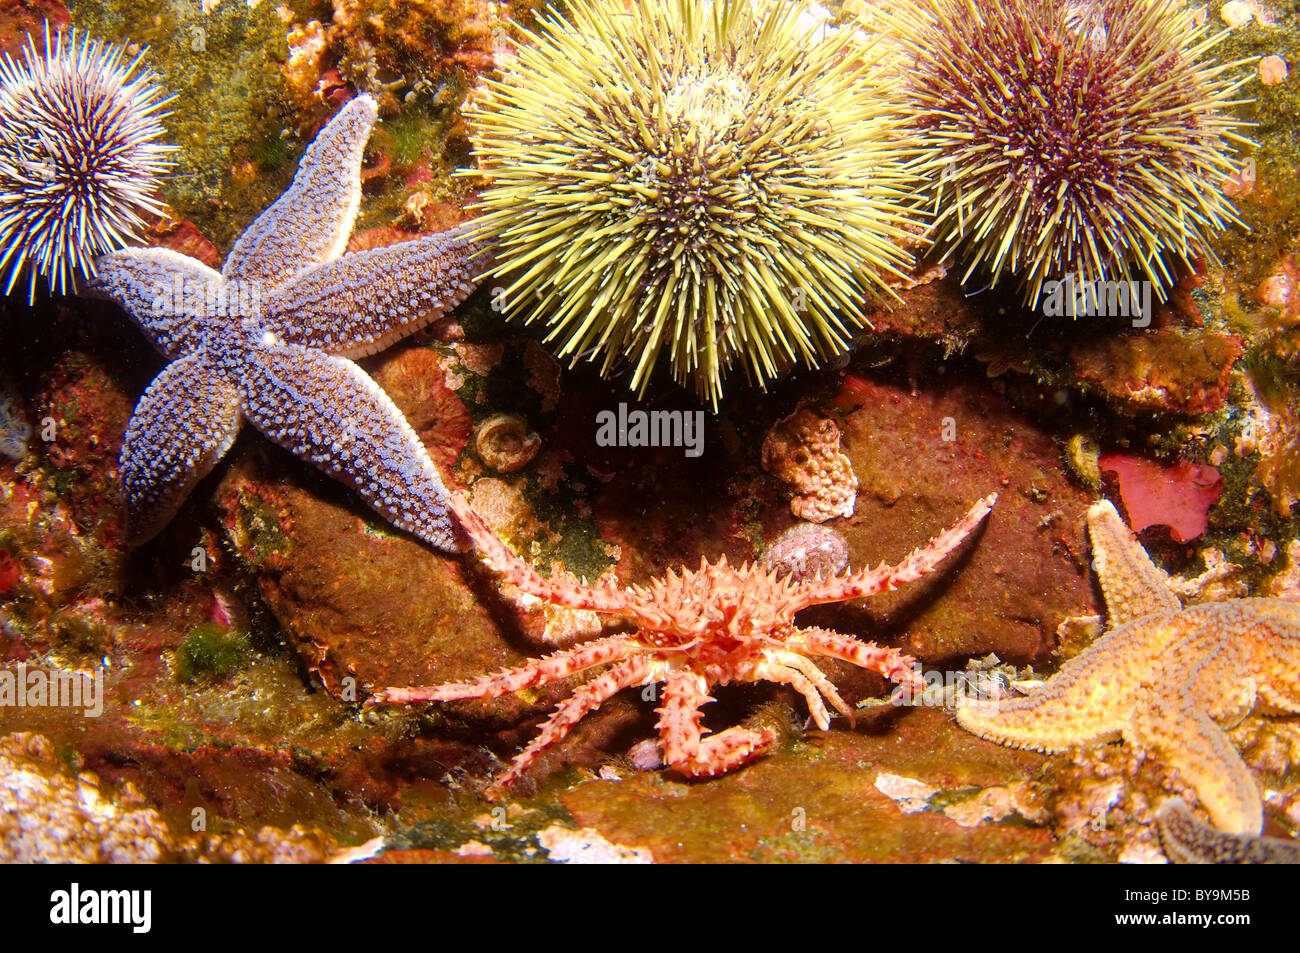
692, 178
1087, 138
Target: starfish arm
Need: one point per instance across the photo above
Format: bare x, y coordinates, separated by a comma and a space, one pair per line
1186, 840
587, 698
1210, 667
364, 302
679, 731
309, 223
1052, 726
532, 674
165, 293
182, 426
1087, 702
1276, 652
867, 582
1183, 734
328, 411
1131, 583
502, 560
891, 663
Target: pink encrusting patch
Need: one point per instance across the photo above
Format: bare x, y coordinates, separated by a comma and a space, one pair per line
1178, 496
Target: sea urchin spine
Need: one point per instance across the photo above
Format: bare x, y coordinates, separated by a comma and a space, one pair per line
79, 160
692, 179
1081, 138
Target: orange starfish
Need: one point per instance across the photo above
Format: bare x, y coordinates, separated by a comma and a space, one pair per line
696, 629
1164, 678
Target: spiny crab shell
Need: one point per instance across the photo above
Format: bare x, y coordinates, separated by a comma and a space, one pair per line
695, 629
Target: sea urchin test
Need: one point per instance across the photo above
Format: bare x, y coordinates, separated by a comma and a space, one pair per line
693, 183
1081, 138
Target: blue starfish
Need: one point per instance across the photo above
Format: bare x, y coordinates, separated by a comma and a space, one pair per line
269, 340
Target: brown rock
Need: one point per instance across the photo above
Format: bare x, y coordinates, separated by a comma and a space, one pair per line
922, 460
183, 236
20, 19
356, 597
1182, 372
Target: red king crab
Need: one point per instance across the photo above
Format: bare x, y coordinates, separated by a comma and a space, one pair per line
696, 629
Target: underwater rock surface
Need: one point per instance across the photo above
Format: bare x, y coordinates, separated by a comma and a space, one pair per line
237, 649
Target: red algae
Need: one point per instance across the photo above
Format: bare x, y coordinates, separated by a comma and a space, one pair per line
1177, 496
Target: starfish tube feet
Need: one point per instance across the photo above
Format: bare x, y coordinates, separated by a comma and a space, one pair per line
164, 292
1186, 840
362, 303
268, 340
355, 433
1132, 584
166, 450
309, 223
1179, 731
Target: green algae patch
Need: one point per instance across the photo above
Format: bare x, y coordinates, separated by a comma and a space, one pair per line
209, 649
575, 541
504, 832
257, 532
223, 68
1271, 212
263, 702
799, 847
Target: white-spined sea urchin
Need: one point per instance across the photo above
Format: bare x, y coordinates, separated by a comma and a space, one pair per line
692, 178
1087, 138
79, 157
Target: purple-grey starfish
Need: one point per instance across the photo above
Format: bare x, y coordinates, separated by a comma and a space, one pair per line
269, 340
1187, 841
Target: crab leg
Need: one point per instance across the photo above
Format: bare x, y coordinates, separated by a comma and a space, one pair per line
774, 672
921, 561
505, 562
588, 697
891, 663
679, 731
815, 675
536, 672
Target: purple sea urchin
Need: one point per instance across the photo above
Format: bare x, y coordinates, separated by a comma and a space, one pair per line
79, 160
1087, 138
690, 179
